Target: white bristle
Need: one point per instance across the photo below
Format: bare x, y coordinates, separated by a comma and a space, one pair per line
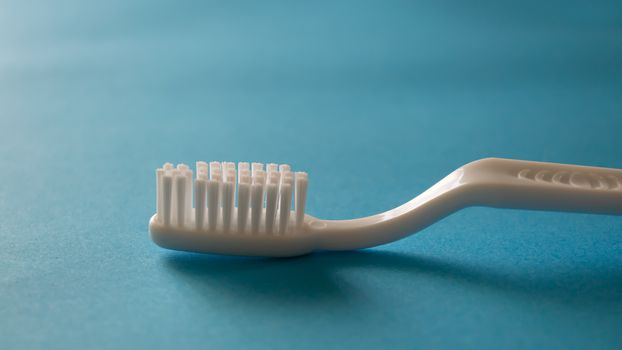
256, 166
167, 199
202, 169
301, 197
174, 173
244, 172
228, 199
214, 169
187, 172
213, 194
200, 200
290, 181
159, 200
245, 179
227, 168
257, 190
274, 177
213, 198
260, 177
284, 168
271, 198
227, 204
244, 188
231, 176
272, 168
287, 178
180, 192
244, 169
285, 206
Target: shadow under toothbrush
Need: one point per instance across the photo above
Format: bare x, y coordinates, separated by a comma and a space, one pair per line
322, 278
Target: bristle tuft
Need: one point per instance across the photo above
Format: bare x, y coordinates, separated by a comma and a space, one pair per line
263, 197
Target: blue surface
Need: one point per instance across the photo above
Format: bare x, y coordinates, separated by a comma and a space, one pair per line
376, 100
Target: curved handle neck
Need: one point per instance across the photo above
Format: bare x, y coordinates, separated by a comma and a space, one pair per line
438, 201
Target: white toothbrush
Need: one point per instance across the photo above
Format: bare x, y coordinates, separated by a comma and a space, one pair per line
263, 223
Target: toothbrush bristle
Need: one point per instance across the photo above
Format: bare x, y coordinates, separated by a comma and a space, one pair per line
248, 199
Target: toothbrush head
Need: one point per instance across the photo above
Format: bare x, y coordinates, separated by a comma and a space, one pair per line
238, 211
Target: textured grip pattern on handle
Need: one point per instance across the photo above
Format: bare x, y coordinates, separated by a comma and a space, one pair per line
581, 179
510, 183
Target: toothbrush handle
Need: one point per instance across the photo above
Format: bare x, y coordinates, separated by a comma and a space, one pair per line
507, 183
493, 182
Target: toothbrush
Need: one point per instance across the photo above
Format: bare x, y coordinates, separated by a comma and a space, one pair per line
265, 224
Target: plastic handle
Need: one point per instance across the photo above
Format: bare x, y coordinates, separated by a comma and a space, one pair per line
493, 182
507, 183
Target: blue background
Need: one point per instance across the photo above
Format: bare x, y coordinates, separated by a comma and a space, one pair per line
377, 100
